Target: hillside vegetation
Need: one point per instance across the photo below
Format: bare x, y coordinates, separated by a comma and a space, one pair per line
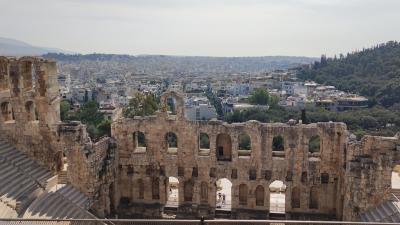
373, 72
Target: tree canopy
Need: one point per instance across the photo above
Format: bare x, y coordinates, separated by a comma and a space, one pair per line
373, 72
142, 105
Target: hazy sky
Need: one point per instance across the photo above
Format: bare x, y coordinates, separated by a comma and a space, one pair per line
202, 27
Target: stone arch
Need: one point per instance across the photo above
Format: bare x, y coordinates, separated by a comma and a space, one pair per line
155, 188
204, 141
314, 198
188, 191
139, 141
172, 142
314, 144
260, 193
4, 73
277, 197
243, 191
177, 103
140, 191
26, 70
30, 109
7, 111
224, 194
324, 178
224, 147
244, 145
172, 191
278, 143
295, 197
204, 192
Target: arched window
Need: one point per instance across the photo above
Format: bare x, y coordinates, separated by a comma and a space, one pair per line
27, 74
3, 75
324, 178
140, 189
30, 111
204, 192
6, 111
314, 198
139, 141
295, 197
278, 144
224, 147
204, 141
243, 194
244, 145
260, 195
172, 140
155, 189
188, 191
314, 144
171, 106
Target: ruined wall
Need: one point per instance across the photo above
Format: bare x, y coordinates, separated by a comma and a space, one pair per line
368, 173
30, 107
91, 166
295, 166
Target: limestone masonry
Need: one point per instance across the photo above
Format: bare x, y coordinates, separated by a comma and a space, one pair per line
128, 174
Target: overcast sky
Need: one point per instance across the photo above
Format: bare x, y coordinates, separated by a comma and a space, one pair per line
202, 27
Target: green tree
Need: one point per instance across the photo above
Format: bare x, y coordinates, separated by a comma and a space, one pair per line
259, 97
142, 105
65, 107
89, 113
104, 128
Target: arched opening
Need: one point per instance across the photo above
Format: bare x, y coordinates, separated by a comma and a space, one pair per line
324, 178
139, 142
204, 144
171, 105
244, 145
224, 194
30, 111
204, 192
295, 197
224, 147
188, 191
260, 195
6, 111
172, 192
314, 144
278, 144
140, 189
395, 179
243, 194
277, 197
27, 68
172, 142
3, 75
155, 189
313, 198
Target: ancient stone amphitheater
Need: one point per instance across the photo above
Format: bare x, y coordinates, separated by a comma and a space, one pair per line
51, 169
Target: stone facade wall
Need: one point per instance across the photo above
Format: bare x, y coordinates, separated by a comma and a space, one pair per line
295, 166
30, 109
368, 174
91, 166
122, 177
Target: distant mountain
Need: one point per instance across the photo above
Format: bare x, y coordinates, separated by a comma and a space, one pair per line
372, 72
188, 64
11, 47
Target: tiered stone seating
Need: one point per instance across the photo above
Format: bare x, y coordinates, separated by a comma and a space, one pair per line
388, 211
62, 202
21, 178
24, 190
